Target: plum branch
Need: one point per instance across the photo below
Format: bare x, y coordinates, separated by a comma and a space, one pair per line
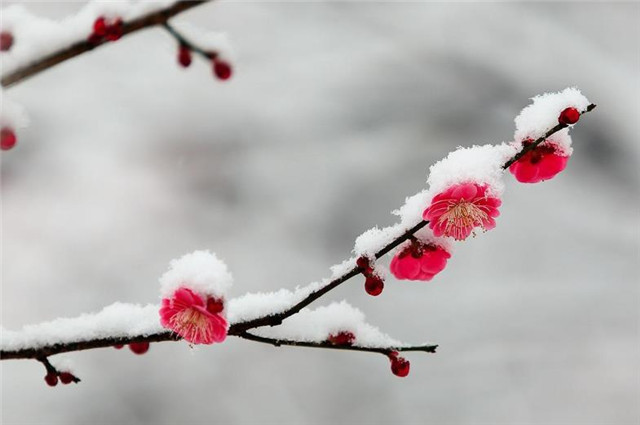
159, 17
240, 329
277, 319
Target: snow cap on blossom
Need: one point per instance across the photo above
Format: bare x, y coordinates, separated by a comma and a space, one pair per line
200, 271
464, 190
481, 165
193, 303
541, 115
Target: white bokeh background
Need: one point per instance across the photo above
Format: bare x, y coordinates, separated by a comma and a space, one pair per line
334, 114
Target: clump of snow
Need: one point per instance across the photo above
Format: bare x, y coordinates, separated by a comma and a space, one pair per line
371, 241
255, 305
115, 321
410, 212
343, 268
477, 164
536, 119
13, 115
62, 364
200, 271
316, 326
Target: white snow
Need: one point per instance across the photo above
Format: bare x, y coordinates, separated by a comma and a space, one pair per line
371, 241
316, 326
254, 305
13, 115
200, 271
540, 116
121, 320
477, 164
118, 320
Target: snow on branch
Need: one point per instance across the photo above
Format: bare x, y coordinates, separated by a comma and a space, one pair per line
463, 196
37, 44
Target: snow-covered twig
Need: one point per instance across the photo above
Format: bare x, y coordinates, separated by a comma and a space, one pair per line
277, 319
276, 342
157, 17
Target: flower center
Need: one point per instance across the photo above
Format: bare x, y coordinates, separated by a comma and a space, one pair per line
192, 324
461, 217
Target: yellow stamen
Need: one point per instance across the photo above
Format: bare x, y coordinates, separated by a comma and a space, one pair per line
462, 215
191, 324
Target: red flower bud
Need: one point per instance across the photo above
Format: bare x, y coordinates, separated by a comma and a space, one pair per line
569, 116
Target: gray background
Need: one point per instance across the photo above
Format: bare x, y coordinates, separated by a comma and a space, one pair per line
333, 117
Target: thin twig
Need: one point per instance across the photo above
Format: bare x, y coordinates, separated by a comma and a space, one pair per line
428, 348
182, 40
51, 370
158, 17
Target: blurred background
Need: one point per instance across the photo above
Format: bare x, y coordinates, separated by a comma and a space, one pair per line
332, 118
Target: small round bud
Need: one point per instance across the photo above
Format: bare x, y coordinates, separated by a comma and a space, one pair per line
8, 138
363, 262
118, 346
222, 69
100, 27
342, 338
373, 285
569, 116
139, 347
51, 379
184, 56
6, 41
400, 366
214, 305
67, 377
114, 30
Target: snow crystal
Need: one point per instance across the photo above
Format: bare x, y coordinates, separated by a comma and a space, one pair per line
536, 119
477, 164
115, 321
316, 325
200, 271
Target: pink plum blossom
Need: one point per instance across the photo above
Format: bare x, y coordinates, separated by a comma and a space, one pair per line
196, 320
419, 261
459, 209
541, 163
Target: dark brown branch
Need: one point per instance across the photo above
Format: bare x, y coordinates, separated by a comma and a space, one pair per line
155, 18
239, 329
429, 348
